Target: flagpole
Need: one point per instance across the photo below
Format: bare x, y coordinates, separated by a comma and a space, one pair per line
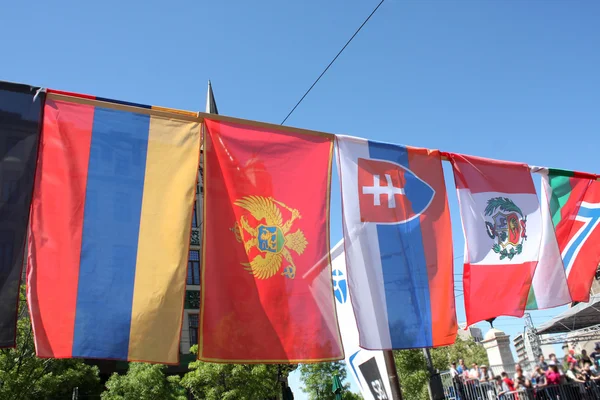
434, 387
390, 366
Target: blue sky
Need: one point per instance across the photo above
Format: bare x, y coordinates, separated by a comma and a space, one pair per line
514, 80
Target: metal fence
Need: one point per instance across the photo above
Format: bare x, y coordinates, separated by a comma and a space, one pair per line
472, 389
510, 369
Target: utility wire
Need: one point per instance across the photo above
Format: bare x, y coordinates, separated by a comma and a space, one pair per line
332, 61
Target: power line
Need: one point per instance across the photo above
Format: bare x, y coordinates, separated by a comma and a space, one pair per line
332, 61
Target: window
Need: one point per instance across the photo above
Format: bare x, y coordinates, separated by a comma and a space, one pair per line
194, 218
193, 328
193, 277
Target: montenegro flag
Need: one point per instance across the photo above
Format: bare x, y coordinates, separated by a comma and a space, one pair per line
267, 294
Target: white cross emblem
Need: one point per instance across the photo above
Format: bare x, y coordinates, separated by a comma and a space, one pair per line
376, 190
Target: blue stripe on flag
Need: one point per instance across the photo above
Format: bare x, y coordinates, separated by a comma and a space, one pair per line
111, 225
404, 269
591, 216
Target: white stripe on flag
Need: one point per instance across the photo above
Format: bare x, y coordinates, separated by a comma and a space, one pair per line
365, 275
549, 281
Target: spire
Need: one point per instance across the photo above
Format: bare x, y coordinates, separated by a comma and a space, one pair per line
211, 105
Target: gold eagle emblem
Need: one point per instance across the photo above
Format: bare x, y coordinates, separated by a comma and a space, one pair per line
268, 241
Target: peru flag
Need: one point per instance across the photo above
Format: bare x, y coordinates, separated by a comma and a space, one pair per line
507, 237
398, 244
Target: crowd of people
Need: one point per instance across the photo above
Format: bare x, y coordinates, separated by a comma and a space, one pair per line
582, 369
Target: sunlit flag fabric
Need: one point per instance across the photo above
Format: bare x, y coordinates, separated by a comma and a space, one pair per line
507, 236
366, 366
110, 228
398, 243
573, 199
20, 122
266, 225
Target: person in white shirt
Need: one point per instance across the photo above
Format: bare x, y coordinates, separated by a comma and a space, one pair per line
474, 372
519, 372
453, 372
485, 375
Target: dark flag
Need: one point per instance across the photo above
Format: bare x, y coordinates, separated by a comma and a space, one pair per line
20, 116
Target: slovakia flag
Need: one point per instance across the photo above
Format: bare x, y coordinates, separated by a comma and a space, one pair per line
398, 243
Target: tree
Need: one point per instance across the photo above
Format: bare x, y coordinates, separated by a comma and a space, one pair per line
144, 382
318, 379
348, 395
412, 372
412, 368
468, 350
234, 381
23, 376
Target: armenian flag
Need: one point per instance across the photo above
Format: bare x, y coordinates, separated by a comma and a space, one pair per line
110, 229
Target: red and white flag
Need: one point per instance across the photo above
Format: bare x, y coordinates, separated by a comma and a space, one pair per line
506, 238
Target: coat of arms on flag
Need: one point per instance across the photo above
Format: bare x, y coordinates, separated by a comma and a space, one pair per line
382, 178
273, 240
507, 226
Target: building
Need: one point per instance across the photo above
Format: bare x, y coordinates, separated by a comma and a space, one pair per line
189, 333
525, 352
471, 333
500, 356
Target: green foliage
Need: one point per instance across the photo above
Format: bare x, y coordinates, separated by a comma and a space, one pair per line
317, 380
144, 382
234, 381
348, 395
468, 350
412, 368
504, 203
505, 253
23, 376
412, 372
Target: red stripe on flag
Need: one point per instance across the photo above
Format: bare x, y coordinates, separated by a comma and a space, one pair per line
494, 290
72, 94
437, 243
479, 175
56, 225
569, 210
583, 271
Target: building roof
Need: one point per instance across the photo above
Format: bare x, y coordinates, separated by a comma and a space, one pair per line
583, 315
